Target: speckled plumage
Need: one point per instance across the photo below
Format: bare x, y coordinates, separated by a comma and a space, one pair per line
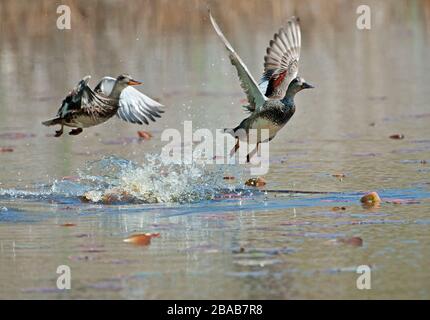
273, 109
276, 113
84, 107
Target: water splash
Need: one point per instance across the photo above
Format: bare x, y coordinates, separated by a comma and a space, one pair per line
114, 179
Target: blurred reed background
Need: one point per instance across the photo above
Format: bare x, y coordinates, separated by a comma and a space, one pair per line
106, 33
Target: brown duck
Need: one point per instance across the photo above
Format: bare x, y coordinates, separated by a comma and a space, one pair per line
84, 107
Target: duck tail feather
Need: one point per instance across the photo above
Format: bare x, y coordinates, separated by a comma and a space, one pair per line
52, 122
232, 131
229, 130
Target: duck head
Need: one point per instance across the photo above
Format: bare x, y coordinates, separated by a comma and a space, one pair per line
126, 80
298, 84
122, 82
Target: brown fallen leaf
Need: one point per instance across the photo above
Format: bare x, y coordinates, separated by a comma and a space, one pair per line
338, 208
6, 149
353, 241
228, 178
144, 135
371, 199
255, 182
68, 225
397, 136
143, 239
339, 175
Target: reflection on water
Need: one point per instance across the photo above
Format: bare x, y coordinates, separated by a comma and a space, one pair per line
217, 238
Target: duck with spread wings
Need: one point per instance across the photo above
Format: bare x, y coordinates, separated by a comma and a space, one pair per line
84, 107
271, 103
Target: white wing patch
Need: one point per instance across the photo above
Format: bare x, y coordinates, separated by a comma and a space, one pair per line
134, 106
255, 97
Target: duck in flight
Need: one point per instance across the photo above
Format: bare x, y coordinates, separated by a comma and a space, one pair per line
84, 107
272, 109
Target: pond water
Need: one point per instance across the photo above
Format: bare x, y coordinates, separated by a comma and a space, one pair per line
218, 239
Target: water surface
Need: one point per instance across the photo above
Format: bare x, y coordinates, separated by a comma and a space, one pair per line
218, 238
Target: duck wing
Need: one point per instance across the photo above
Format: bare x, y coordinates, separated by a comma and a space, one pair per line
134, 106
281, 60
83, 99
255, 97
73, 100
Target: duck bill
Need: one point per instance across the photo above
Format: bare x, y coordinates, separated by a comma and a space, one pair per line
133, 82
307, 86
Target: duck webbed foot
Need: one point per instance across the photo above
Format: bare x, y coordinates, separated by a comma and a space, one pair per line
58, 133
75, 132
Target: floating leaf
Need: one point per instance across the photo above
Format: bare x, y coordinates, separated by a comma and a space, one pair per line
371, 199
143, 239
255, 182
340, 176
338, 208
68, 225
6, 149
397, 136
144, 135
